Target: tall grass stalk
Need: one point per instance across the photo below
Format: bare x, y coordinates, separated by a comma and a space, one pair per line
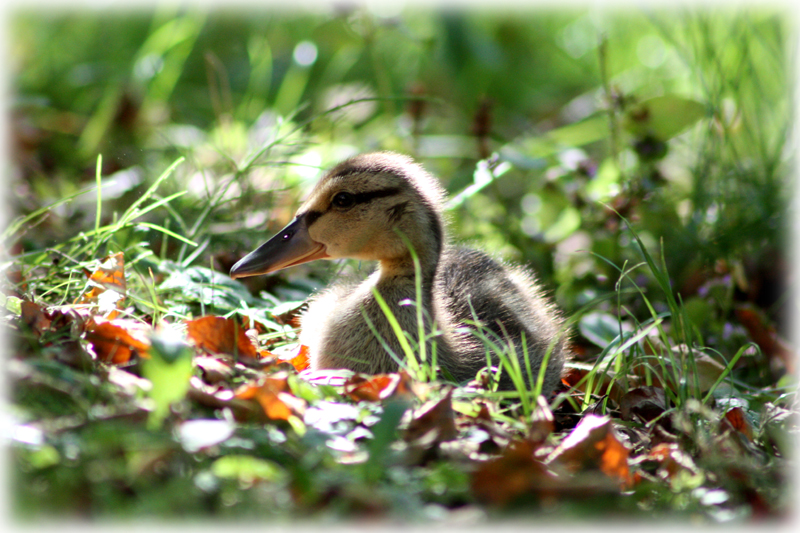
419, 306
411, 359
98, 177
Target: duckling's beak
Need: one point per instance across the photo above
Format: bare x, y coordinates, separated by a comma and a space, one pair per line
290, 246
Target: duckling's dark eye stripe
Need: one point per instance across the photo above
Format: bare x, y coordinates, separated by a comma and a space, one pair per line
364, 197
360, 198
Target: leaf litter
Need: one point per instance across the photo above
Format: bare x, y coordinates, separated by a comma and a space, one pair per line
230, 381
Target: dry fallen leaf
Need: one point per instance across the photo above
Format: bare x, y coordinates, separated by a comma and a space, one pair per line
107, 286
516, 472
214, 369
116, 341
216, 397
542, 421
594, 444
735, 418
271, 393
702, 369
433, 423
605, 380
300, 361
378, 387
765, 335
219, 335
35, 317
671, 460
646, 403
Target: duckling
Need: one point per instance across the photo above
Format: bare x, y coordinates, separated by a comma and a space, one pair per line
379, 207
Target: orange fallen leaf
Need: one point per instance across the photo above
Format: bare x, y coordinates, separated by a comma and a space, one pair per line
614, 459
116, 341
271, 393
735, 418
300, 361
377, 387
516, 472
219, 335
107, 286
594, 444
671, 460
370, 389
274, 407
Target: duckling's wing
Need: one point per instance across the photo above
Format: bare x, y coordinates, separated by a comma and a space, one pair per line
506, 302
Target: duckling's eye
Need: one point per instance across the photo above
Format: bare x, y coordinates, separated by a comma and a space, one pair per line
344, 200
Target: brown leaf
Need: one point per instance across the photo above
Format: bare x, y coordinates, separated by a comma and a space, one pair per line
542, 421
378, 387
484, 413
516, 472
594, 444
35, 317
497, 436
646, 403
765, 335
219, 335
68, 324
272, 395
216, 398
735, 419
435, 422
300, 361
116, 341
703, 369
107, 286
671, 460
214, 369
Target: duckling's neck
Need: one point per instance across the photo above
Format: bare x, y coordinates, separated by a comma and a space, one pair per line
403, 267
425, 237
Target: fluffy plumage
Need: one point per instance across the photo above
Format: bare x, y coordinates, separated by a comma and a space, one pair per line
371, 207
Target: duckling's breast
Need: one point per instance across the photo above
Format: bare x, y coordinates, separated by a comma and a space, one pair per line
345, 327
477, 306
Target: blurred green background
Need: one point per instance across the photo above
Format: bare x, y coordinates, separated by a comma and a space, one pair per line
543, 122
547, 126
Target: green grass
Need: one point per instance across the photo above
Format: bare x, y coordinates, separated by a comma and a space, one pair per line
650, 229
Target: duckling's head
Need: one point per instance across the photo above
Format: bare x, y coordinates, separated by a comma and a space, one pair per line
369, 207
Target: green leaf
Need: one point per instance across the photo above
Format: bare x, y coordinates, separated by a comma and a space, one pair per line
168, 370
384, 433
662, 117
210, 288
531, 148
43, 457
556, 217
568, 221
11, 303
589, 130
599, 328
247, 469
